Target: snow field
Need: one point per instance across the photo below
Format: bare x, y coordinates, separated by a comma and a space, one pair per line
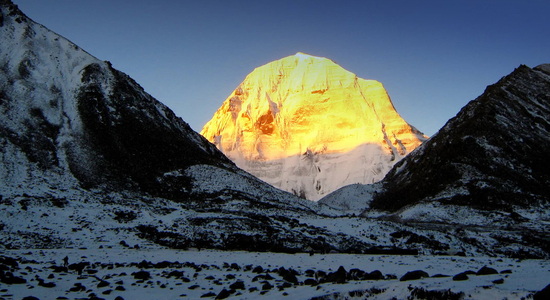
211, 272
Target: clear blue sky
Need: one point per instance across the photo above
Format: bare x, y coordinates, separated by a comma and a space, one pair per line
433, 57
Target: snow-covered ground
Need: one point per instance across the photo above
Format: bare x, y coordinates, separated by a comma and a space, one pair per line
114, 234
174, 274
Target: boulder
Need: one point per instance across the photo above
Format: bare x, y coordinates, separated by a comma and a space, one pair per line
340, 276
237, 285
486, 271
374, 275
223, 294
460, 277
142, 275
543, 294
414, 275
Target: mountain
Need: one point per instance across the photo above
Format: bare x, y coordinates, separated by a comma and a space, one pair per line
492, 155
69, 116
307, 126
85, 148
484, 176
89, 160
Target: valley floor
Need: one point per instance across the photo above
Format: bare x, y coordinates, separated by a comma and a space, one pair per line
173, 274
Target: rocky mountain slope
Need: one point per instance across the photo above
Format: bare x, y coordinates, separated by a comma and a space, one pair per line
485, 170
69, 116
492, 155
82, 141
307, 126
89, 160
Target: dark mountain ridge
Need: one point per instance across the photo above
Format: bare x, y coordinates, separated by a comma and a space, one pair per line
140, 142
493, 155
86, 152
125, 137
483, 178
102, 128
88, 159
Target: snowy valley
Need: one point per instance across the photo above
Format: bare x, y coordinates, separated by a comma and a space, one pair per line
94, 169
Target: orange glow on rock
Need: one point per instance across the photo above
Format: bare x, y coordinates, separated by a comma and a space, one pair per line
302, 104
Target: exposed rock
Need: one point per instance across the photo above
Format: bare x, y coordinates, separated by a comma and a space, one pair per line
237, 285
288, 275
77, 287
9, 278
10, 261
208, 295
340, 276
543, 294
175, 273
460, 277
486, 271
142, 275
223, 294
103, 283
258, 269
374, 275
491, 155
414, 275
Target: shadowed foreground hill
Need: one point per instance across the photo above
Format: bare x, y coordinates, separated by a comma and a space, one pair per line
493, 155
68, 115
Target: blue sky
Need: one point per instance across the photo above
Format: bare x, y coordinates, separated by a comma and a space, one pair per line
433, 57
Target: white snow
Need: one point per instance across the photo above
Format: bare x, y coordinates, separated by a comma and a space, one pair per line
48, 209
526, 277
352, 199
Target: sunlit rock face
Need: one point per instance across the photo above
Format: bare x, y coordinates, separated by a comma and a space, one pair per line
307, 126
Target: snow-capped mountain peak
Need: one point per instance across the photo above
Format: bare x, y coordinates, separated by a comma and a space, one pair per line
308, 126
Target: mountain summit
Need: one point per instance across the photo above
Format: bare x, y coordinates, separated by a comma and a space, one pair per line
308, 126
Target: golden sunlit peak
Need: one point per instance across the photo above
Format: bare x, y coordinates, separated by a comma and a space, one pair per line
308, 126
302, 55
